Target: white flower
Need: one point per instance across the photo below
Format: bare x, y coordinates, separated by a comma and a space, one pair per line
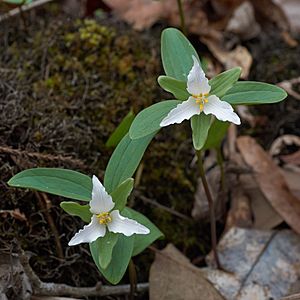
105, 218
200, 100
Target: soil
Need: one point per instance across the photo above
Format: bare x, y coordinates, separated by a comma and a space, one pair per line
64, 87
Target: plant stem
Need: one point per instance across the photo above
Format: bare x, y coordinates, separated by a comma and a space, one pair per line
211, 209
221, 165
132, 279
181, 13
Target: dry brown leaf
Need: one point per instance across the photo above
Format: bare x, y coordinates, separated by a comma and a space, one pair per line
173, 277
292, 11
265, 216
293, 158
262, 265
293, 179
238, 57
243, 22
282, 141
240, 214
141, 14
271, 181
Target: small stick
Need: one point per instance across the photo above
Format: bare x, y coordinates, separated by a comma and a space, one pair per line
45, 205
14, 12
211, 210
49, 157
56, 289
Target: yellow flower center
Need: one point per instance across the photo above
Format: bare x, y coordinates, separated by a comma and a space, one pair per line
201, 99
104, 218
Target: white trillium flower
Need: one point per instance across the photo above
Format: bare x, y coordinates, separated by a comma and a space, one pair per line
200, 101
105, 218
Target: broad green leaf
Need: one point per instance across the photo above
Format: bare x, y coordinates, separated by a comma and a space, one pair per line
176, 53
105, 247
121, 255
251, 92
125, 160
62, 182
75, 209
142, 241
216, 134
121, 193
121, 130
18, 2
224, 81
148, 120
200, 125
174, 86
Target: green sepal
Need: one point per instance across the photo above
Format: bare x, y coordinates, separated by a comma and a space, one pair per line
75, 209
216, 134
121, 193
174, 86
200, 126
221, 83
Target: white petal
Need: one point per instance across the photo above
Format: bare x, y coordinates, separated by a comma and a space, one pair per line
183, 111
124, 225
197, 82
89, 233
221, 109
101, 201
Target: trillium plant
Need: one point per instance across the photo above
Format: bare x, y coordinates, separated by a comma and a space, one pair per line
116, 233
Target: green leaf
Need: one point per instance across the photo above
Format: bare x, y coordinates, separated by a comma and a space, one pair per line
224, 81
75, 209
18, 2
176, 53
216, 134
148, 120
125, 160
142, 241
251, 92
105, 247
121, 130
174, 86
121, 193
120, 257
200, 125
62, 182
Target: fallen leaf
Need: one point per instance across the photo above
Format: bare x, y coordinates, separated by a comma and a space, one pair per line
292, 178
271, 181
293, 158
292, 11
238, 57
282, 141
243, 22
173, 277
240, 214
261, 265
265, 216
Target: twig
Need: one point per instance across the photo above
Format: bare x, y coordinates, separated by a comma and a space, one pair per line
49, 157
287, 85
292, 297
168, 209
56, 289
45, 205
14, 12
